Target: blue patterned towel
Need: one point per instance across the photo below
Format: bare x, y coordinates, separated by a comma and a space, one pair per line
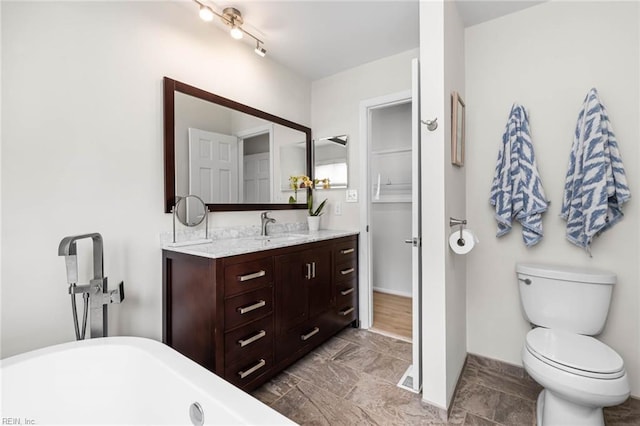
517, 191
596, 184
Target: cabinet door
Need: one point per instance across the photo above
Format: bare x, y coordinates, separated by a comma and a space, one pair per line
319, 282
291, 291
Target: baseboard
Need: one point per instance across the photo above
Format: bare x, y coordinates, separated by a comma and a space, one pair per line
392, 292
496, 365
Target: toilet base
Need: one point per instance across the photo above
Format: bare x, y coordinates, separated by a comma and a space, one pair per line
552, 410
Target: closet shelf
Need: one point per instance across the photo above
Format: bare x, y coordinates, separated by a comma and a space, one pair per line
391, 151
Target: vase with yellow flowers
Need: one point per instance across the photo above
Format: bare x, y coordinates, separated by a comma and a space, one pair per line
300, 182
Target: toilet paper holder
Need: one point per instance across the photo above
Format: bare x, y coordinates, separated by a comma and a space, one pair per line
458, 222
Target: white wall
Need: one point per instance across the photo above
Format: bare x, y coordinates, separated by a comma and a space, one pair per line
455, 203
547, 58
82, 147
444, 293
335, 103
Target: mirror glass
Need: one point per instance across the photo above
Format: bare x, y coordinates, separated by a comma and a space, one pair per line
232, 156
190, 210
330, 160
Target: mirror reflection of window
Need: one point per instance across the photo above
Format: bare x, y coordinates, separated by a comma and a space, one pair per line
330, 160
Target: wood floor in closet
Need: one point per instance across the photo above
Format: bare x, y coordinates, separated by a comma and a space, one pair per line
392, 315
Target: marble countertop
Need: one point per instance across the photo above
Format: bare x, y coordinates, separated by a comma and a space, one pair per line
249, 244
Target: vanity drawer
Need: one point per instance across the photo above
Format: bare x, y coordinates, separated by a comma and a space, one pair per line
253, 340
246, 371
310, 334
247, 276
345, 251
248, 307
346, 271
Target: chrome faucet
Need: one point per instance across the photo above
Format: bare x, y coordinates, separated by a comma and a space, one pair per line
95, 293
264, 221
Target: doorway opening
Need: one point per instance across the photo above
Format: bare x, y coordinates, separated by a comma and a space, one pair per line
390, 238
390, 172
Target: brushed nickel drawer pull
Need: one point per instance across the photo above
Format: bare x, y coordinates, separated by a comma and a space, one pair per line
347, 251
348, 291
347, 311
253, 369
308, 276
243, 310
313, 332
347, 271
253, 276
259, 335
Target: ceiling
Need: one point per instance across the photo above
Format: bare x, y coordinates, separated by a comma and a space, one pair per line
320, 38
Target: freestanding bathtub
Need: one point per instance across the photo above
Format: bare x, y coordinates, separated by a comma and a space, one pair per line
121, 380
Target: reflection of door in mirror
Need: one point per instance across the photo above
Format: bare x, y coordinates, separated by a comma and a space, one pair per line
213, 166
256, 172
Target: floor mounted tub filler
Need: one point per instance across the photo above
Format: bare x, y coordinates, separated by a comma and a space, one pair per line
121, 380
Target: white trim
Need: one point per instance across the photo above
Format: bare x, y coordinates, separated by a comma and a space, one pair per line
389, 334
366, 288
392, 292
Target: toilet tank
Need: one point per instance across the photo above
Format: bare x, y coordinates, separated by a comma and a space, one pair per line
567, 298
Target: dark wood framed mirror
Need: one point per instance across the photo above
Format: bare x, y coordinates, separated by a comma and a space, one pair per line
196, 126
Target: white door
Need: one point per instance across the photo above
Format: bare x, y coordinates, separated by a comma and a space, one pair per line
416, 231
213, 166
257, 178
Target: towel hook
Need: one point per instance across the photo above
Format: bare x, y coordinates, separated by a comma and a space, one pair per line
431, 124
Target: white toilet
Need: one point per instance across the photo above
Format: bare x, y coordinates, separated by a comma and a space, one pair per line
580, 374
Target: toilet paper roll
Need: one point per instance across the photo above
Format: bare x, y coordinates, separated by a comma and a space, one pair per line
462, 245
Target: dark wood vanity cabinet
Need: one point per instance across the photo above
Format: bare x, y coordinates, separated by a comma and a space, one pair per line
248, 317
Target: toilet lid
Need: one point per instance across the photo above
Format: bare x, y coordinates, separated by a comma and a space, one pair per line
575, 353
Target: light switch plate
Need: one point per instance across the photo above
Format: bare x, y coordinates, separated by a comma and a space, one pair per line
352, 196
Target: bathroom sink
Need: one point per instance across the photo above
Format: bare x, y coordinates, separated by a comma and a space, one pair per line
279, 237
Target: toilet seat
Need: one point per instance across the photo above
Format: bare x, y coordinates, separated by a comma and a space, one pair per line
575, 353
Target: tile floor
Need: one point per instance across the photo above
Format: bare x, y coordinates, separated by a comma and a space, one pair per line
352, 380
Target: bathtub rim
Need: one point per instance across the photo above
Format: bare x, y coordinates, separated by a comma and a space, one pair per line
199, 377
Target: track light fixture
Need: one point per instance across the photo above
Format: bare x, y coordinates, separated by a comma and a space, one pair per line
232, 18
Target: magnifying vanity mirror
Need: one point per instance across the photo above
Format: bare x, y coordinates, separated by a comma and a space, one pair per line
190, 210
232, 156
330, 160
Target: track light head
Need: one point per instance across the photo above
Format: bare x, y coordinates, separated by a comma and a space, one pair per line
236, 32
260, 51
206, 14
